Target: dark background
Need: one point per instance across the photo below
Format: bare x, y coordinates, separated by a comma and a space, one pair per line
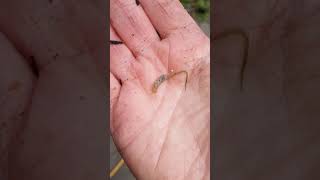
270, 128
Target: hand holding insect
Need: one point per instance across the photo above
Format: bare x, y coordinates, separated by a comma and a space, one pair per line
165, 77
159, 89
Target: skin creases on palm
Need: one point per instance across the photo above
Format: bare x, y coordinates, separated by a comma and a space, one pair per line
169, 127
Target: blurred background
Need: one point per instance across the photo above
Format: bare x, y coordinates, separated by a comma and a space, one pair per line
200, 11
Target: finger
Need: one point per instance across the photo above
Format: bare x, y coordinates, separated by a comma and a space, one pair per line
16, 83
121, 59
132, 25
169, 16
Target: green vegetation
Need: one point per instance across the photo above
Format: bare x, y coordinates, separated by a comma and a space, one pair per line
199, 9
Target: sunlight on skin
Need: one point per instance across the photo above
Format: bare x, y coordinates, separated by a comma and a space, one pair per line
164, 134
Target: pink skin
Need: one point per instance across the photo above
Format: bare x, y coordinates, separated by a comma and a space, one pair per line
162, 135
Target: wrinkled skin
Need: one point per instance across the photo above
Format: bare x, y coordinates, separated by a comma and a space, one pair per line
270, 130
52, 121
162, 135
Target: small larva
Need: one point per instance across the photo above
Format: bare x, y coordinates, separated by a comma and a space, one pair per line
165, 77
158, 82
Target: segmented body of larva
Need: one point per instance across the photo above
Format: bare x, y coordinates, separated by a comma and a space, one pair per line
165, 77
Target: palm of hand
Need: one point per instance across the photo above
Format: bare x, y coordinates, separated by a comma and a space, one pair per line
169, 127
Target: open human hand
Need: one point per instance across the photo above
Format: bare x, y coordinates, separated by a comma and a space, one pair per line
162, 134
